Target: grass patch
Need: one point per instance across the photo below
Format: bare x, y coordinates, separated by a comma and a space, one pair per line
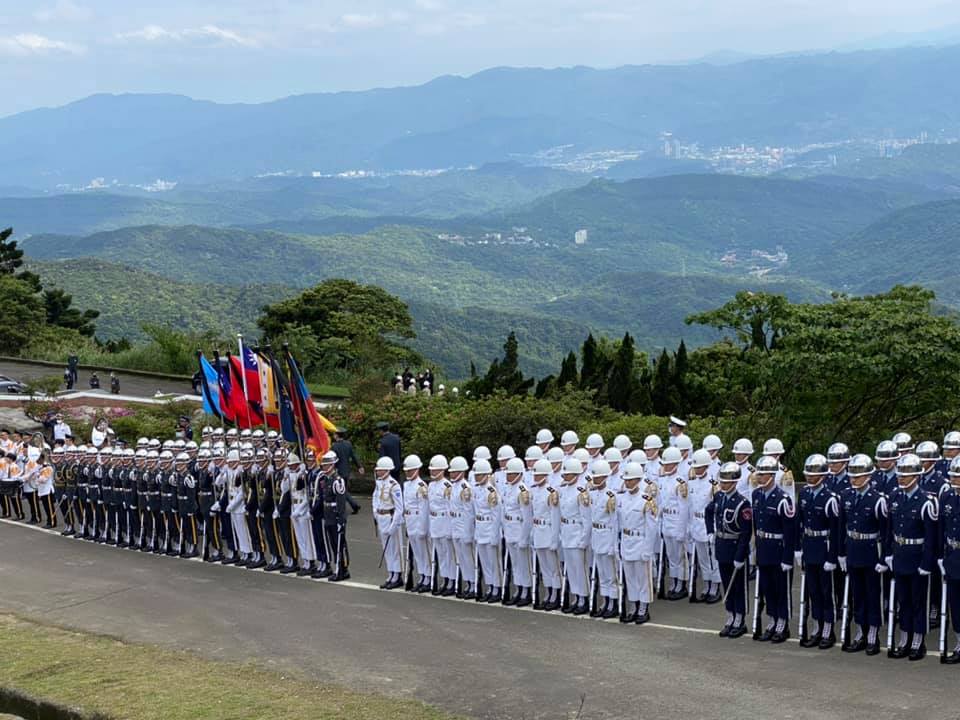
98, 674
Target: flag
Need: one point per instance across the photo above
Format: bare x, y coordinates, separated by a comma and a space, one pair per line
209, 387
268, 390
247, 416
251, 371
313, 427
285, 412
223, 382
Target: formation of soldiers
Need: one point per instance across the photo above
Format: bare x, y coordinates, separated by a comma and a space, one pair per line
591, 530
236, 498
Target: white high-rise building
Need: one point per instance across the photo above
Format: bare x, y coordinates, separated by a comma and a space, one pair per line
580, 237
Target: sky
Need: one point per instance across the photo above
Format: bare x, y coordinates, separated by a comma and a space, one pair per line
55, 51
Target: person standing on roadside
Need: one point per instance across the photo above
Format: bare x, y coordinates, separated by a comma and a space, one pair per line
389, 447
346, 459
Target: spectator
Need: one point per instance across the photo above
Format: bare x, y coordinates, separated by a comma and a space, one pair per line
390, 447
346, 459
94, 381
60, 429
68, 379
184, 429
100, 436
73, 362
407, 378
197, 382
114, 384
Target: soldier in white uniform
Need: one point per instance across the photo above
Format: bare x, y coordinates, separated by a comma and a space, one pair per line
685, 446
742, 450
236, 506
784, 477
575, 526
462, 527
504, 455
652, 444
300, 515
530, 458
702, 488
615, 461
438, 496
603, 540
487, 516
713, 445
568, 443
555, 457
387, 505
676, 427
517, 527
416, 517
544, 440
638, 517
594, 447
623, 444
546, 532
482, 452
674, 509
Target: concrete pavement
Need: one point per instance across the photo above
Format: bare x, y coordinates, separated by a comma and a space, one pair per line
139, 385
478, 660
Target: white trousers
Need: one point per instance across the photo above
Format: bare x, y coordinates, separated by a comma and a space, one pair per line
607, 571
639, 577
675, 551
303, 531
421, 555
520, 565
390, 542
708, 567
241, 533
446, 561
463, 550
575, 563
549, 562
490, 564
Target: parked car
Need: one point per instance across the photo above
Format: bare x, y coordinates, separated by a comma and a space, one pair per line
8, 386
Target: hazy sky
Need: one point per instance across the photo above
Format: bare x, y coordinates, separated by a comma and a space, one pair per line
55, 51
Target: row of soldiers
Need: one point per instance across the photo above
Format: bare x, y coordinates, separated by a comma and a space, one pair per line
245, 500
606, 530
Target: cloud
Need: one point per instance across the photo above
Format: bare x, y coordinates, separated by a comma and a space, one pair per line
606, 16
64, 11
364, 21
206, 34
33, 44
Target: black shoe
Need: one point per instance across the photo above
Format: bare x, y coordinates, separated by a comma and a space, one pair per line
383, 585
68, 532
579, 610
304, 572
919, 653
725, 631
188, 555
765, 636
713, 598
510, 599
448, 591
395, 584
550, 606
610, 612
469, 595
272, 566
780, 637
874, 649
738, 630
320, 574
857, 646
809, 642
828, 642
642, 618
423, 588
674, 595
287, 569
898, 653
524, 601
952, 659
355, 510
228, 561
339, 577
493, 598
567, 609
256, 565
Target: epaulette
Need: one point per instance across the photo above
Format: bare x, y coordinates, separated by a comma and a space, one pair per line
682, 488
583, 497
690, 474
753, 478
524, 495
553, 497
787, 479
611, 505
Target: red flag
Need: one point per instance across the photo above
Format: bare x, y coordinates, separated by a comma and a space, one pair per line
311, 427
247, 414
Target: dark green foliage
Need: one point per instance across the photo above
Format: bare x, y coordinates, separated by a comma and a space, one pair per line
21, 314
59, 312
504, 375
568, 371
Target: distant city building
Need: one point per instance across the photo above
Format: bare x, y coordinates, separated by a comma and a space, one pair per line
580, 237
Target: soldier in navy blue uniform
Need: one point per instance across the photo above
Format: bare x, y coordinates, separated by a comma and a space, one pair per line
259, 509
168, 504
951, 449
863, 527
934, 482
187, 506
905, 444
910, 553
316, 480
206, 518
774, 524
335, 518
884, 477
950, 543
131, 514
149, 495
729, 519
818, 537
838, 456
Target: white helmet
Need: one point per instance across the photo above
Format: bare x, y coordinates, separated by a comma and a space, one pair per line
555, 455
482, 452
438, 462
459, 464
544, 436
612, 455
594, 441
385, 463
622, 443
601, 468
637, 456
165, 455
514, 466
701, 458
233, 456
582, 455
633, 471
773, 447
412, 462
572, 466
293, 459
684, 443
329, 458
569, 438
505, 453
182, 457
481, 466
533, 453
743, 446
712, 443
542, 467
652, 442
671, 456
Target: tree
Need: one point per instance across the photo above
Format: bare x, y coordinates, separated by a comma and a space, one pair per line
662, 391
21, 314
503, 375
680, 367
623, 385
11, 259
60, 312
568, 371
756, 319
589, 368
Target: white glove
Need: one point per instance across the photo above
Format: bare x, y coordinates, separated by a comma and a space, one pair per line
276, 514
880, 568
259, 514
709, 537
923, 573
737, 564
940, 565
889, 561
798, 557
215, 507
843, 563
786, 567
829, 566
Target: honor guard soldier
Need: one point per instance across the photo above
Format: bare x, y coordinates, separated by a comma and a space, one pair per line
639, 537
672, 498
237, 508
388, 519
729, 520
335, 521
443, 564
784, 477
624, 445
207, 520
487, 531
884, 477
904, 443
545, 502
45, 488
838, 457
604, 532
416, 517
863, 526
300, 515
568, 443
555, 457
652, 444
544, 440
933, 482
150, 494
818, 529
950, 564
187, 506
774, 523
910, 554
28, 482
83, 483
282, 512
66, 482
258, 475
128, 485
222, 518
168, 504
951, 449
504, 454
517, 527
615, 461
108, 494
742, 450
713, 445
530, 458
702, 487
463, 527
317, 480
594, 447
575, 527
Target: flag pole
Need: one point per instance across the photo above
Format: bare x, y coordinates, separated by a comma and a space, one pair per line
243, 377
289, 359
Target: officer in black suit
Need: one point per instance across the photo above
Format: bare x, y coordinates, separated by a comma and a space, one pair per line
390, 447
335, 517
729, 519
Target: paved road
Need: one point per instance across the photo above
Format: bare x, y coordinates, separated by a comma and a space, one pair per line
129, 384
478, 660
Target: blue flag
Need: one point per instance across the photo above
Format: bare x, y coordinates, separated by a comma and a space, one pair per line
210, 387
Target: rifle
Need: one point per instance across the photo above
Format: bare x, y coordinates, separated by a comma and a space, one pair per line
593, 573
802, 629
660, 592
890, 616
536, 580
729, 587
845, 616
756, 606
943, 619
693, 574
